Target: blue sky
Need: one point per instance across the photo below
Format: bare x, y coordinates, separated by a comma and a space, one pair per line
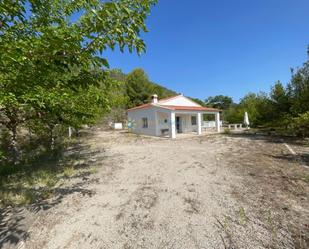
203, 48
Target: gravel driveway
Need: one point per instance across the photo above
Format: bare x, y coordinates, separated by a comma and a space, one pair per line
195, 192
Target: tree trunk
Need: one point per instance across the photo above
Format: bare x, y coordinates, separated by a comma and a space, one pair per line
51, 139
30, 135
70, 131
15, 152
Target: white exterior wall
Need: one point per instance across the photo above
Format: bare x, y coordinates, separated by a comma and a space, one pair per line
136, 116
178, 101
186, 123
162, 117
117, 126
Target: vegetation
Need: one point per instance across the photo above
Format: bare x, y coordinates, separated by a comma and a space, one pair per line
51, 67
284, 109
53, 75
138, 88
131, 90
220, 101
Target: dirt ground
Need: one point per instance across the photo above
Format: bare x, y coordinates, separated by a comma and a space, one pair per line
213, 191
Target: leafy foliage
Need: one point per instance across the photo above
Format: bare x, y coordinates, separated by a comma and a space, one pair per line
51, 69
220, 101
137, 88
300, 125
201, 102
298, 90
285, 108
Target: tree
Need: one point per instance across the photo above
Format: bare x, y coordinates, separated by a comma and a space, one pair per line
300, 125
298, 90
220, 101
201, 102
51, 46
280, 100
118, 97
234, 114
138, 87
161, 91
284, 108
258, 106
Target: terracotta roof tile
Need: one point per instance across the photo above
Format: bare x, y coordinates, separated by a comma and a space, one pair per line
193, 108
176, 108
171, 107
140, 107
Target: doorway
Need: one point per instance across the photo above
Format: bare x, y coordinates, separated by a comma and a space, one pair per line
178, 125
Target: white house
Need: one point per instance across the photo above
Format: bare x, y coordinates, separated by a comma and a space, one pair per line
170, 116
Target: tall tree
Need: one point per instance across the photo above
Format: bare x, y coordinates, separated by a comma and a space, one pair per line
280, 100
298, 90
138, 87
49, 46
219, 101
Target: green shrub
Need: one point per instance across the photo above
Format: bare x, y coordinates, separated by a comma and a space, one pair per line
227, 131
2, 155
4, 144
301, 125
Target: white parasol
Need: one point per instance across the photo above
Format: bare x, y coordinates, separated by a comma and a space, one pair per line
246, 119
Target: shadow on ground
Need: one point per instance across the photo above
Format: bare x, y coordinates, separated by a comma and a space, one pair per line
14, 222
301, 156
16, 219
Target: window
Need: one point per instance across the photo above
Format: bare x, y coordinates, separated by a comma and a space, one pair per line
145, 122
193, 120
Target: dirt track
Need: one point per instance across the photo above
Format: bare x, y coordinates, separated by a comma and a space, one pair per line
200, 192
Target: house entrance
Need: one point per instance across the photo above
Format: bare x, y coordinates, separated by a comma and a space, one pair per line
178, 125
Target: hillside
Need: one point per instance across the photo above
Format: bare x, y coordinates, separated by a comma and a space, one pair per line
139, 89
139, 81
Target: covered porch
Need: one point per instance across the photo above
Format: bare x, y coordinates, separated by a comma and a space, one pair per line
170, 123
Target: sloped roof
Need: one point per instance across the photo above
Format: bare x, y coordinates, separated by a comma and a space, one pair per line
169, 98
192, 108
164, 100
173, 107
144, 106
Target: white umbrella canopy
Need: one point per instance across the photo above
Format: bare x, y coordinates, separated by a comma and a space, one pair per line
246, 119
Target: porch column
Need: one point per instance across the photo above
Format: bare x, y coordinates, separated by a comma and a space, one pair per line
172, 125
156, 124
218, 121
199, 123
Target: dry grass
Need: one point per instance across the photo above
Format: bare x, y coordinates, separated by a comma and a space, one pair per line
24, 188
37, 180
275, 185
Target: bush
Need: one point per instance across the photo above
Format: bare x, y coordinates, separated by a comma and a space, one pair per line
227, 131
301, 125
2, 155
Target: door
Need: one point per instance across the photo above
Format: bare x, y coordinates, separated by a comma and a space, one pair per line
178, 124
